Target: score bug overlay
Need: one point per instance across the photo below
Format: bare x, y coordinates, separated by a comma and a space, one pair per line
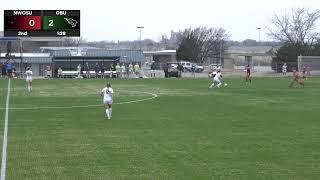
42, 23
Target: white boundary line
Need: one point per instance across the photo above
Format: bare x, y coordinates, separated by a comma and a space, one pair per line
84, 106
5, 137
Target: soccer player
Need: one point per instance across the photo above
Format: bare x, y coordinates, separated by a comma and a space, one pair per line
130, 69
284, 69
79, 70
304, 70
217, 78
296, 78
136, 69
107, 94
123, 71
118, 70
29, 79
248, 74
218, 68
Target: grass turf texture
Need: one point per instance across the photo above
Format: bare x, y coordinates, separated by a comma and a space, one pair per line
261, 131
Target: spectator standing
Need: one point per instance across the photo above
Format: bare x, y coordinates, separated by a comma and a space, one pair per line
130, 69
193, 69
153, 68
87, 69
48, 72
111, 70
118, 70
1, 69
166, 70
136, 69
96, 70
60, 72
9, 68
123, 70
180, 69
102, 70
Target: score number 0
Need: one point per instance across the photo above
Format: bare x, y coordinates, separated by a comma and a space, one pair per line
32, 23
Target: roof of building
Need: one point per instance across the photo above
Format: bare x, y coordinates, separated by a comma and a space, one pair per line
163, 52
124, 55
27, 54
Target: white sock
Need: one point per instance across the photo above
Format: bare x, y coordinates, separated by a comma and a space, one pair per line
28, 88
211, 85
219, 85
107, 112
110, 112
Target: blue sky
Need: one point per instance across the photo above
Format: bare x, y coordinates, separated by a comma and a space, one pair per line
117, 19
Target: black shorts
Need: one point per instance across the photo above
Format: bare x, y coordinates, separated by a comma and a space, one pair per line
9, 71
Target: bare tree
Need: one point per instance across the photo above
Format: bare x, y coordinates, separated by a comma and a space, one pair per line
298, 35
296, 28
200, 43
73, 41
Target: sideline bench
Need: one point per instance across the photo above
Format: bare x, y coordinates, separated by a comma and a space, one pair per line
72, 74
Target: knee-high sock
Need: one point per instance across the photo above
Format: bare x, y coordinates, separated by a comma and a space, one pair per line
107, 113
212, 85
110, 112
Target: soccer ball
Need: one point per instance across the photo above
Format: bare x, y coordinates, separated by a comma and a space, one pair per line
225, 84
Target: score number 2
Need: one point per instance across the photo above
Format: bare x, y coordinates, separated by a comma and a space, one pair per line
51, 23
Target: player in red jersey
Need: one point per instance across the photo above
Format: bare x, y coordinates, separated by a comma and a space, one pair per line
248, 74
296, 78
304, 70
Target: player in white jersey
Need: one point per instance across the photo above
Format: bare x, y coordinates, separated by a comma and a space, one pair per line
29, 79
107, 94
217, 78
79, 70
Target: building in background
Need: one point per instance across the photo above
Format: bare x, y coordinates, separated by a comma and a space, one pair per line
68, 58
258, 57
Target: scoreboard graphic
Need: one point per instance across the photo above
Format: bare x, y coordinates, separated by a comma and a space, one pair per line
42, 23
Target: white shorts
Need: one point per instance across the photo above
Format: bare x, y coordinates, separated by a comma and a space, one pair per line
29, 79
107, 101
216, 80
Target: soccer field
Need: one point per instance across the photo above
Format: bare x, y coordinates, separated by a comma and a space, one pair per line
162, 129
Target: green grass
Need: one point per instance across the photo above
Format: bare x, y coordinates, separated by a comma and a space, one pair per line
261, 131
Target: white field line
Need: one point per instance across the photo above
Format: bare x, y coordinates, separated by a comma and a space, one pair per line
5, 137
84, 106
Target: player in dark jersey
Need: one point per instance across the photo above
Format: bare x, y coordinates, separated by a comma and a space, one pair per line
248, 74
296, 78
304, 70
